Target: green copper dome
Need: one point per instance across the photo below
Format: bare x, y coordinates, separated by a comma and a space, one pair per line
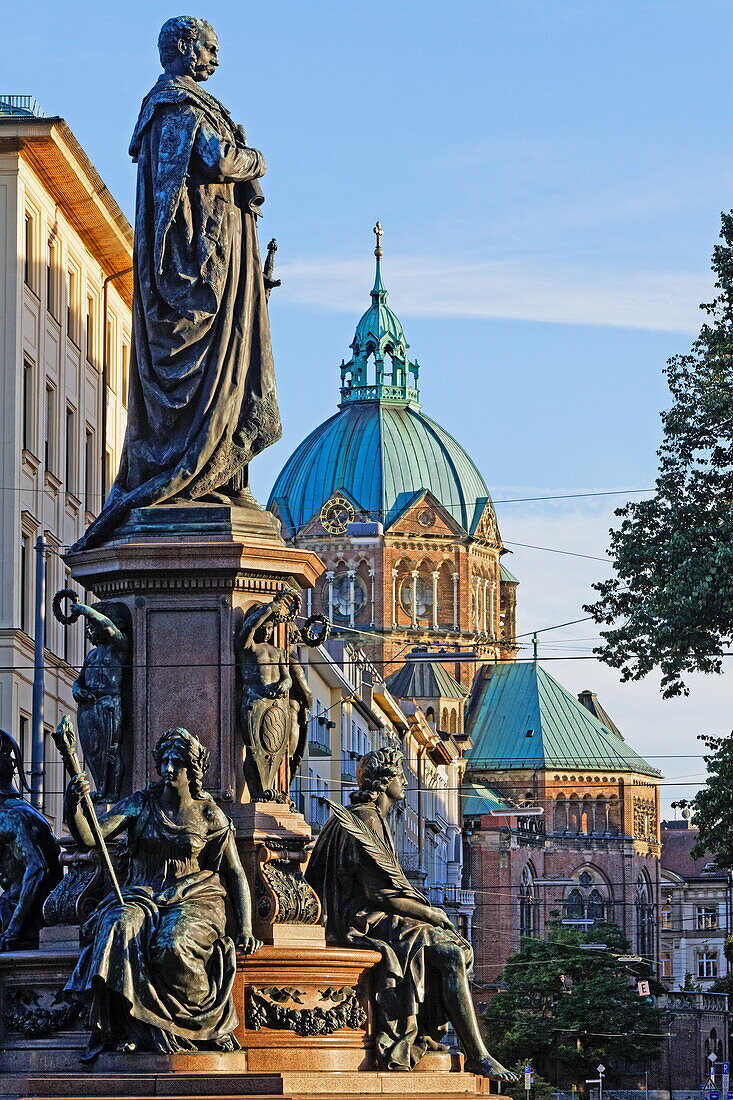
379, 449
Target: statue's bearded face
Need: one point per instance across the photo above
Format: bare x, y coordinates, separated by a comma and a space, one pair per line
202, 55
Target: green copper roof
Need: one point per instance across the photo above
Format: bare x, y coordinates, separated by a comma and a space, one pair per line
379, 367
379, 455
424, 680
479, 800
380, 449
505, 575
517, 698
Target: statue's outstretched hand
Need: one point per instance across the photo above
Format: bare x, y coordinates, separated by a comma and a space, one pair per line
248, 943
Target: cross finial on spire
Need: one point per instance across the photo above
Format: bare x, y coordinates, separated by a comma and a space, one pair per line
378, 233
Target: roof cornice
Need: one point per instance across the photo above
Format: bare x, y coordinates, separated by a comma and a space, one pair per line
50, 148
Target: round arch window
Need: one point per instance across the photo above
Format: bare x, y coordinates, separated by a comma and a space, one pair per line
423, 594
342, 595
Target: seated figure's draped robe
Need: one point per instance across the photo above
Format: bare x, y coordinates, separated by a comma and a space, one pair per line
202, 400
160, 968
354, 893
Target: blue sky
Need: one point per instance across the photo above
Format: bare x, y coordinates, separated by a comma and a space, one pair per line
549, 174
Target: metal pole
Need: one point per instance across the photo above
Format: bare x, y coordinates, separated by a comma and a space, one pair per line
39, 686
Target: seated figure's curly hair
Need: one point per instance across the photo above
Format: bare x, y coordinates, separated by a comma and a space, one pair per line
195, 754
374, 773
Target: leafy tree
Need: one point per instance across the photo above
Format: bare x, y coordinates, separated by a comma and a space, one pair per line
670, 603
565, 1009
541, 1089
713, 805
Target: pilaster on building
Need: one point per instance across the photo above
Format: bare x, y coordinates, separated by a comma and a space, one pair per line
65, 298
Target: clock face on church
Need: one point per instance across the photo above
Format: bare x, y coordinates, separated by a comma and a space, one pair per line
336, 515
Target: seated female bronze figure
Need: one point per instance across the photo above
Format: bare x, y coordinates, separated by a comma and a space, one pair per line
421, 984
158, 969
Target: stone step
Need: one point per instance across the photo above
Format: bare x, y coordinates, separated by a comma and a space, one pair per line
279, 1086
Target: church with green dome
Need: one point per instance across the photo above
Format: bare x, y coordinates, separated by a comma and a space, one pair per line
403, 521
397, 510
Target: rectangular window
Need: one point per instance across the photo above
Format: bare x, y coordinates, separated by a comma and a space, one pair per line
70, 451
125, 374
72, 305
27, 425
52, 304
45, 775
706, 916
90, 466
666, 965
108, 472
707, 964
666, 917
66, 632
24, 727
49, 428
25, 579
91, 328
28, 259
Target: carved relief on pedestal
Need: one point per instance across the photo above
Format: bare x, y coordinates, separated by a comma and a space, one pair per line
37, 1014
282, 895
318, 1012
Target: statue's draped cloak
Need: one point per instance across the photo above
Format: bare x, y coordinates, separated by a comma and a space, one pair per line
202, 400
355, 894
163, 957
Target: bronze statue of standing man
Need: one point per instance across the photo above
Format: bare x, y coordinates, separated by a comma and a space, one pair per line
202, 399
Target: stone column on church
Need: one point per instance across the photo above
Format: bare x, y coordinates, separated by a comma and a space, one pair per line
329, 577
414, 574
351, 574
372, 573
394, 597
455, 601
435, 576
477, 605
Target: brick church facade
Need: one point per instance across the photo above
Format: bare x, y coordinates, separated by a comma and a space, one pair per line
404, 523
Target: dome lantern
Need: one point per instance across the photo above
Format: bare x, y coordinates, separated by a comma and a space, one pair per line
380, 338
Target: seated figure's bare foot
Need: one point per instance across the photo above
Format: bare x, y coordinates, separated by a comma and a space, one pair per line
127, 1048
489, 1067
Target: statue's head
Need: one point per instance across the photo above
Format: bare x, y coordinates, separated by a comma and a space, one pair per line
380, 772
188, 47
178, 746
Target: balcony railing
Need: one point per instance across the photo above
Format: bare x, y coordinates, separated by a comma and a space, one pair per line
451, 895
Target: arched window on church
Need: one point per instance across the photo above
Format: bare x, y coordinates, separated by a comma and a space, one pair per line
589, 899
561, 814
573, 815
602, 822
596, 906
644, 912
446, 611
527, 904
574, 906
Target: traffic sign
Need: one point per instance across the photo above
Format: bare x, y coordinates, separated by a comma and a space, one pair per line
725, 1067
601, 1069
714, 1095
710, 1083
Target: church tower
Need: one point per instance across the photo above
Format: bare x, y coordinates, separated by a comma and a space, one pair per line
398, 512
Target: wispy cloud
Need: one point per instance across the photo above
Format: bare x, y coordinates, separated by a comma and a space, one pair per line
429, 286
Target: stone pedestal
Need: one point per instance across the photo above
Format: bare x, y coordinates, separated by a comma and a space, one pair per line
186, 573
